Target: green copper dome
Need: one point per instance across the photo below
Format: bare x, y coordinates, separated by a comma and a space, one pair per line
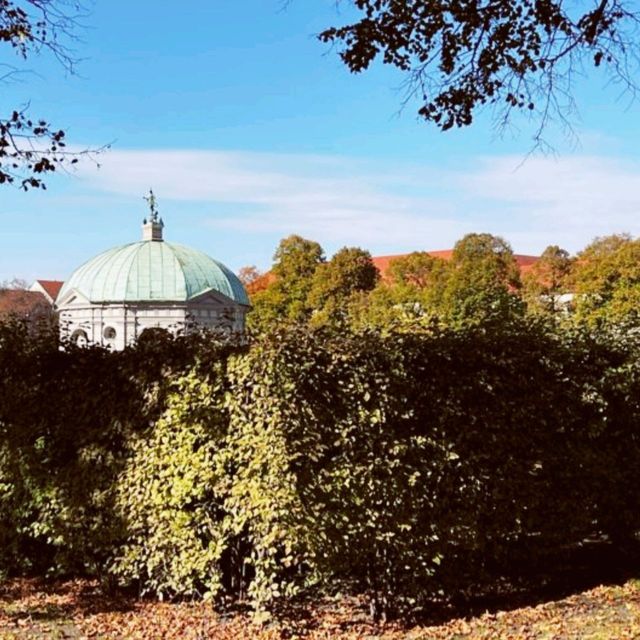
153, 271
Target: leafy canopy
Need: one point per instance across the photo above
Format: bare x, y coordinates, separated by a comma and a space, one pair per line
459, 55
285, 299
547, 280
483, 280
411, 291
606, 280
335, 282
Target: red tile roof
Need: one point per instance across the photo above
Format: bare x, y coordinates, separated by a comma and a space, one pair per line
382, 262
52, 287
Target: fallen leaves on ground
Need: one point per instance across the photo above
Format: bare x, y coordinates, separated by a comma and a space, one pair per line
78, 609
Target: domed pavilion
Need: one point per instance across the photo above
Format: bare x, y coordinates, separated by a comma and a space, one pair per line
113, 298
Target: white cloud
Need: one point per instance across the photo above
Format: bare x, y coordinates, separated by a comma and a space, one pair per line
566, 200
387, 207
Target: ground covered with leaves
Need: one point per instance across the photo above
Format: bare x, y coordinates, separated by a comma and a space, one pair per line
79, 609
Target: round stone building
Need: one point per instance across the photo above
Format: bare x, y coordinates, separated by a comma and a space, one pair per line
114, 297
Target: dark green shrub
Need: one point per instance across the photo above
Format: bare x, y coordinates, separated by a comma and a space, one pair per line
417, 463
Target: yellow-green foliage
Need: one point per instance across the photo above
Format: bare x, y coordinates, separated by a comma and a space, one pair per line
264, 506
168, 496
546, 280
349, 272
479, 284
285, 299
68, 417
606, 281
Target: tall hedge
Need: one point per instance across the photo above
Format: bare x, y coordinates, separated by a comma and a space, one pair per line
397, 465
168, 496
413, 463
68, 416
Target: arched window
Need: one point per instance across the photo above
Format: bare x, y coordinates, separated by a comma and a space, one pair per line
80, 338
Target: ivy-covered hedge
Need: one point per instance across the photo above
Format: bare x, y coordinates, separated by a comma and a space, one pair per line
398, 465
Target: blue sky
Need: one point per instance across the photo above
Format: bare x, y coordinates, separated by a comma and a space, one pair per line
249, 129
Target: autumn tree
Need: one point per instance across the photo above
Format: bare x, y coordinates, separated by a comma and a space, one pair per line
411, 290
285, 299
606, 280
253, 279
547, 280
459, 56
249, 274
482, 282
31, 147
349, 271
419, 272
16, 301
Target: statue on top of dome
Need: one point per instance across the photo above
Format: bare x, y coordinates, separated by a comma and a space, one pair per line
151, 201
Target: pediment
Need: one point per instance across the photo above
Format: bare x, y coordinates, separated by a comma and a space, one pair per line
72, 298
212, 296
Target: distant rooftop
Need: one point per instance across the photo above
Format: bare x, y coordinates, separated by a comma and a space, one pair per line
382, 262
50, 288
